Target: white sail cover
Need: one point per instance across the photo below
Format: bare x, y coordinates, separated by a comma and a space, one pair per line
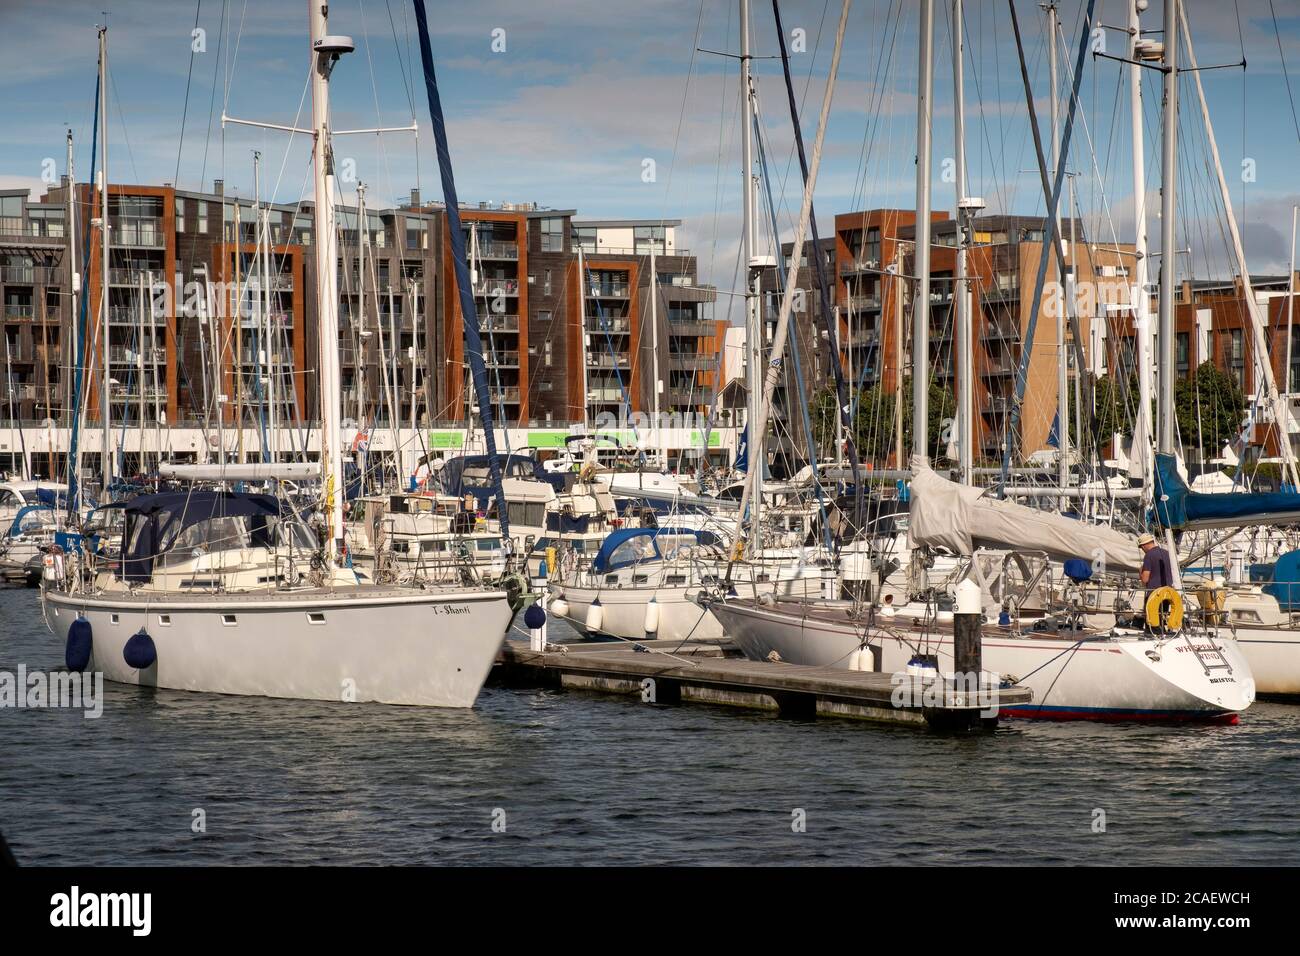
960, 518
249, 471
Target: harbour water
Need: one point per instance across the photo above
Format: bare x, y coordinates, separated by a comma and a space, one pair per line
545, 777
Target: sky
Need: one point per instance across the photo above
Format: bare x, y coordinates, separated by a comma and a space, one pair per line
573, 104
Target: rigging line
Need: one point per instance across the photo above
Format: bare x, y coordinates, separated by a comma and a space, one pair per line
1285, 73
407, 84
121, 119
185, 111
232, 62
212, 100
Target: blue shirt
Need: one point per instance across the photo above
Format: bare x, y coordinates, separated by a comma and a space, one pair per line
1157, 562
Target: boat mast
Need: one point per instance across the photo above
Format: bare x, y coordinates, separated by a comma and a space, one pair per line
582, 316
106, 449
749, 248
1063, 301
1290, 304
960, 290
1143, 432
325, 52
1168, 255
654, 348
921, 302
74, 283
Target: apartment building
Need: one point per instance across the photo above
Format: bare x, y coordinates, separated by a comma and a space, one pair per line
35, 286
212, 312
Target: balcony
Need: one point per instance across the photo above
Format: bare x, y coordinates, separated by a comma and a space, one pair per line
608, 290
131, 315
605, 360
1000, 332
146, 233
864, 303
997, 366
133, 277
507, 394
19, 310
997, 406
692, 328
499, 322
860, 338
679, 293
279, 283
501, 359
498, 250
692, 362
604, 394
261, 357
124, 356
690, 396
495, 287
29, 275
611, 325
859, 265
126, 394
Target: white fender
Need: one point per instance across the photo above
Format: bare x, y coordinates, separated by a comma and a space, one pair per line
652, 616
559, 607
595, 616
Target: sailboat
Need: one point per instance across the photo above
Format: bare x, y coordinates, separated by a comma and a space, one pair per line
1076, 671
236, 593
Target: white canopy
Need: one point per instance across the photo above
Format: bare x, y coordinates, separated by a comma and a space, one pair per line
961, 518
251, 471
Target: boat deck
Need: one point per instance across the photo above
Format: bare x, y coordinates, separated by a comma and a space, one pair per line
669, 672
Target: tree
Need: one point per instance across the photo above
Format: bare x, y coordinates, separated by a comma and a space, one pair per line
1209, 407
874, 423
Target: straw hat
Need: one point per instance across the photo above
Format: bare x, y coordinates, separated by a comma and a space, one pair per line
1146, 539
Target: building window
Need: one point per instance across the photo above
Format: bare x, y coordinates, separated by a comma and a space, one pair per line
552, 235
11, 215
546, 284
647, 238
1237, 357
180, 214
584, 237
203, 215
417, 233
1184, 353
302, 228
546, 352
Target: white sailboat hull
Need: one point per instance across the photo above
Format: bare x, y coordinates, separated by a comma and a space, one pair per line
680, 617
1274, 657
1103, 679
430, 648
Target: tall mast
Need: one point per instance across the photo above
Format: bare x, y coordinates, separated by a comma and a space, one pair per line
325, 52
74, 283
582, 317
1064, 301
239, 337
749, 244
1168, 255
921, 302
106, 452
654, 345
960, 292
1290, 306
1143, 432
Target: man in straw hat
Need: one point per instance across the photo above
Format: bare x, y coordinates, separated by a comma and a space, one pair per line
1156, 570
